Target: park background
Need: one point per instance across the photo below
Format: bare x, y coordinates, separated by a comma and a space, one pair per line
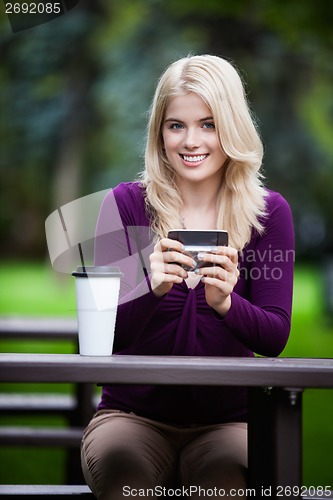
74, 95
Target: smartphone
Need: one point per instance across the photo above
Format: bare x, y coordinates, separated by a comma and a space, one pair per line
196, 241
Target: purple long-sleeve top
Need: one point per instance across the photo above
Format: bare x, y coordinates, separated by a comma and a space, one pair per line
181, 322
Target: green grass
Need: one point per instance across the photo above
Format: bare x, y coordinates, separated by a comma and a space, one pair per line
35, 289
312, 329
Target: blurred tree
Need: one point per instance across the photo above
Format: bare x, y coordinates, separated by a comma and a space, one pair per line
46, 76
75, 93
284, 49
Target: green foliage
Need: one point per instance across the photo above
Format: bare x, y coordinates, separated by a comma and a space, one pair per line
75, 91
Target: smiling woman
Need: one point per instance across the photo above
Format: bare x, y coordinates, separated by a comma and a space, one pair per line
202, 170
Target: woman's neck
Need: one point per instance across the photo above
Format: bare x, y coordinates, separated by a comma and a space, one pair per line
199, 206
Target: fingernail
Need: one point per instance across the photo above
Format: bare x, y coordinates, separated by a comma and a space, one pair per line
200, 255
213, 249
196, 271
183, 247
194, 264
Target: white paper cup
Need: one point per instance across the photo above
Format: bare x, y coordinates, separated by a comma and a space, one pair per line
97, 294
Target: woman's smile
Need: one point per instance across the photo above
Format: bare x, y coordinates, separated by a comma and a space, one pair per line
193, 160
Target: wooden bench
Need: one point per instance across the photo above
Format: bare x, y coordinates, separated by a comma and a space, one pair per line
275, 395
76, 408
26, 328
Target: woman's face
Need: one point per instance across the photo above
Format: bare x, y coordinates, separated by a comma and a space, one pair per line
190, 140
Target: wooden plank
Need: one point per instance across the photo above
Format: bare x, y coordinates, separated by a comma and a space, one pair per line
45, 403
30, 403
166, 370
38, 328
40, 436
43, 490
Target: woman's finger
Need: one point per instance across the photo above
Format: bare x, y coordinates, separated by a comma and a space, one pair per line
217, 260
228, 252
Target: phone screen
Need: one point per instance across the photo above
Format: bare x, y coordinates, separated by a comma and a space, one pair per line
199, 241
200, 238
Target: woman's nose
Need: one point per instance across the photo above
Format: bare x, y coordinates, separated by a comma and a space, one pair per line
192, 139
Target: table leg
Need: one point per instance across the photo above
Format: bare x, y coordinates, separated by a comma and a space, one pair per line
80, 418
275, 441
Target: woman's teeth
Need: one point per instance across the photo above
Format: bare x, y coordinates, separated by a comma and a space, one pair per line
194, 159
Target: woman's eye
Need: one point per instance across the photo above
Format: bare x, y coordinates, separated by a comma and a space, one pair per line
209, 125
176, 126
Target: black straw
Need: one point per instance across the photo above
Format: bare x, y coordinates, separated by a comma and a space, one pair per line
82, 259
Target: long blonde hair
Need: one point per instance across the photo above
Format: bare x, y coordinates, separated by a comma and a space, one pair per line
242, 196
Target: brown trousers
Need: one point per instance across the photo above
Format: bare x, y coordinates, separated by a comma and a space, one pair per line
124, 455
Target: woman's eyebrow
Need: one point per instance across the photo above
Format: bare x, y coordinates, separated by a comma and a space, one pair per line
178, 120
172, 120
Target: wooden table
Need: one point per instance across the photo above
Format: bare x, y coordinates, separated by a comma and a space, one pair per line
275, 395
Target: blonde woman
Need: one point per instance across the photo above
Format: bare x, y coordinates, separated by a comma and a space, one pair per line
202, 171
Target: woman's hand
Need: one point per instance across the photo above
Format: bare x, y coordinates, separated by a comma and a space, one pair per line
221, 278
165, 263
